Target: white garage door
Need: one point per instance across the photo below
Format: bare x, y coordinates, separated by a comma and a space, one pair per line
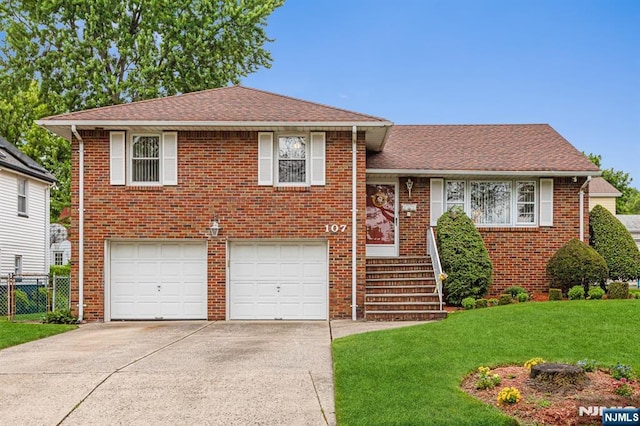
277, 280
158, 280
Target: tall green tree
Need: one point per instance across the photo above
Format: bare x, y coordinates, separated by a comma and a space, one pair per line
104, 52
59, 56
18, 112
629, 201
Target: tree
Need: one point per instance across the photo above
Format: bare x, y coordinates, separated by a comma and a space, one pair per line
464, 257
58, 56
615, 244
106, 52
629, 201
18, 113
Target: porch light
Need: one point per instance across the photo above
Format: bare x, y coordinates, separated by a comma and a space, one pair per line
215, 227
409, 184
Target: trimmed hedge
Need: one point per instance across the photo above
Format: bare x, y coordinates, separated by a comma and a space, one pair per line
464, 258
618, 290
575, 263
615, 244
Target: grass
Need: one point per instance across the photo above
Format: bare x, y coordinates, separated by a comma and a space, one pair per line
411, 375
14, 333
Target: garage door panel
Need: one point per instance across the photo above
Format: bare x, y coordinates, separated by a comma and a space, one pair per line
269, 280
151, 280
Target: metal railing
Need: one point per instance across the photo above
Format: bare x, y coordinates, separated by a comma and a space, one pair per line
29, 297
432, 248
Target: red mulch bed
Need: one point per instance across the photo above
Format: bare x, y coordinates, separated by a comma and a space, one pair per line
559, 407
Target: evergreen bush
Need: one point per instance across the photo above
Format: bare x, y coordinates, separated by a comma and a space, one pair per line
575, 263
618, 290
615, 244
595, 293
464, 257
555, 294
576, 292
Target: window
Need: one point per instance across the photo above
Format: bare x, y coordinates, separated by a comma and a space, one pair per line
58, 258
145, 159
495, 203
22, 197
455, 194
18, 265
526, 203
292, 160
490, 203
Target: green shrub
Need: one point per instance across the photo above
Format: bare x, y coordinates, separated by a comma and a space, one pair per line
493, 302
515, 290
596, 293
59, 316
618, 290
522, 297
24, 305
60, 270
485, 380
505, 299
615, 244
555, 294
575, 263
576, 292
464, 257
588, 365
482, 303
621, 371
468, 303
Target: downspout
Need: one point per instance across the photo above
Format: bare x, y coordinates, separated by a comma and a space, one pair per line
582, 188
354, 218
80, 223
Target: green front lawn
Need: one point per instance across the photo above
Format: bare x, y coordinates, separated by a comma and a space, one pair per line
14, 333
411, 375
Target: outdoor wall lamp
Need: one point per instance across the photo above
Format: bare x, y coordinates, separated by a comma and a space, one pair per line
215, 227
409, 184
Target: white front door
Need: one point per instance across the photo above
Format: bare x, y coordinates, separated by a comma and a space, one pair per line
382, 219
278, 280
158, 280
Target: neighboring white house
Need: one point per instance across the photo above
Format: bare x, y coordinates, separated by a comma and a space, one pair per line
60, 245
24, 212
603, 193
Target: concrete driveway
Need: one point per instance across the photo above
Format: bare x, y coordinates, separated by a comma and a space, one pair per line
141, 373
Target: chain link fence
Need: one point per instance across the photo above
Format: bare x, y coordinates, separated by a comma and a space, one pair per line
28, 297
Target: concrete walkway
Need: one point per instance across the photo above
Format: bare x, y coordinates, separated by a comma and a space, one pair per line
161, 373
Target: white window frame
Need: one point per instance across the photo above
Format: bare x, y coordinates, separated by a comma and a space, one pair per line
130, 159
513, 216
277, 159
23, 196
535, 203
17, 264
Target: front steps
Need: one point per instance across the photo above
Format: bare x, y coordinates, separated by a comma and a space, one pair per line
401, 289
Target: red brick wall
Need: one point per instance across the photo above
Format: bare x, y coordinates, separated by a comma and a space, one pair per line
519, 255
218, 174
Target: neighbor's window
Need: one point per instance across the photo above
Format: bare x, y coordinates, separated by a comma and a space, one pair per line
58, 258
22, 197
145, 159
292, 160
17, 269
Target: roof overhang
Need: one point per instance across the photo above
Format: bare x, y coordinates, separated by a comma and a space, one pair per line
24, 172
376, 131
496, 173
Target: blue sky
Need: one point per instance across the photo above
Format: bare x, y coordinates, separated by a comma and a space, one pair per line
574, 64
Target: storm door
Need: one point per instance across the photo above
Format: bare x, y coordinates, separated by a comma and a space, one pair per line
382, 222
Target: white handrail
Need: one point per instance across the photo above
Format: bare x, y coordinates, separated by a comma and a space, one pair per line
432, 248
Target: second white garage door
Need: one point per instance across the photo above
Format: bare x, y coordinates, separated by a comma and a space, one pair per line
158, 280
278, 280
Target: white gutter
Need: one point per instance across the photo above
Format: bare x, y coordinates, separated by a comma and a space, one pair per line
354, 218
183, 123
440, 173
582, 188
80, 223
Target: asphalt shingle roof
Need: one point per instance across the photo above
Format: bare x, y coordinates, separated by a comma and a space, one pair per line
600, 186
14, 159
500, 148
226, 104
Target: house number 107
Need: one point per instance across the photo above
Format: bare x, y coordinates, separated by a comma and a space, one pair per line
335, 228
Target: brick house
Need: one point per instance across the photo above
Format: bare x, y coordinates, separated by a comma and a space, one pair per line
236, 203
